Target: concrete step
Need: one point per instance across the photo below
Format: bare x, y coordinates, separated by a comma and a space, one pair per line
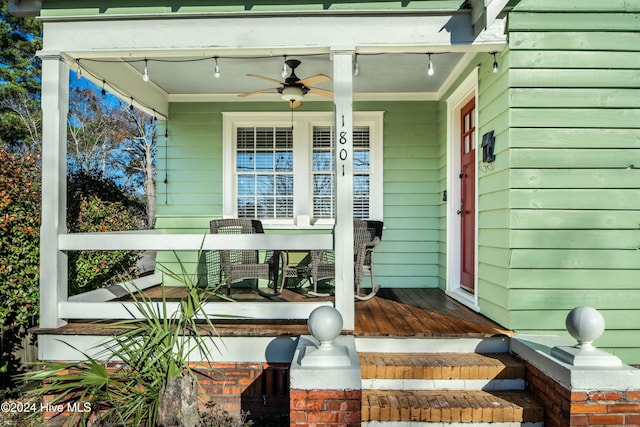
495, 344
449, 407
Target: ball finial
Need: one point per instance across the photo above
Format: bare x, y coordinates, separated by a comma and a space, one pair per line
586, 325
325, 324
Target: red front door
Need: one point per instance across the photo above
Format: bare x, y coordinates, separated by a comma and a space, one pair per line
468, 195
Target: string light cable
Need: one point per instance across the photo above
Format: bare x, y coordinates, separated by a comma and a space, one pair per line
81, 71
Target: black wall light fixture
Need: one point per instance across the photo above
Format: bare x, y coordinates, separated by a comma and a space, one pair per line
488, 146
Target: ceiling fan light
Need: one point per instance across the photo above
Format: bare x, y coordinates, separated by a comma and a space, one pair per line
292, 93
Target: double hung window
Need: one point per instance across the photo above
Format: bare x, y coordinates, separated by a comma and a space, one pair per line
264, 172
284, 175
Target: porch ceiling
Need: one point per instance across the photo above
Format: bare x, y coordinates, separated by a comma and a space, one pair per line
391, 49
381, 76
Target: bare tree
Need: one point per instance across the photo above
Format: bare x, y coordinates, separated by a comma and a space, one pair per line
114, 140
93, 132
138, 152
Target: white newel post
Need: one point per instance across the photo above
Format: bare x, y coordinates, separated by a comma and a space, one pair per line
53, 261
343, 143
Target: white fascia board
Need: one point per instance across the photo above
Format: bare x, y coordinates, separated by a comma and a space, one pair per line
208, 35
192, 242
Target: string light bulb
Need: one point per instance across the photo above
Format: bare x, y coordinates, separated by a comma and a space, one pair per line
216, 69
284, 68
145, 74
104, 91
356, 66
78, 70
131, 104
495, 62
430, 70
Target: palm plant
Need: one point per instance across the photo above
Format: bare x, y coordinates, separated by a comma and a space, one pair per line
149, 353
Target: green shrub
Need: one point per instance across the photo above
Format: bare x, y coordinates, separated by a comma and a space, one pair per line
19, 238
97, 204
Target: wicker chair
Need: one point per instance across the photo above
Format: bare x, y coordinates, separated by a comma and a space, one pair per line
366, 235
238, 265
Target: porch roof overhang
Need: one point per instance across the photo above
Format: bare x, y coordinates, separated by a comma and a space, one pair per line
391, 45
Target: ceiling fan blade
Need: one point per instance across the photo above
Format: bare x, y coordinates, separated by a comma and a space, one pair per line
314, 80
271, 89
258, 76
322, 92
295, 104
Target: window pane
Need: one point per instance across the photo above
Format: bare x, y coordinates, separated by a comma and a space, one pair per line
322, 207
246, 185
264, 138
361, 185
245, 138
285, 206
245, 161
284, 138
323, 185
284, 185
361, 137
264, 185
264, 162
322, 161
361, 161
322, 137
284, 161
361, 207
265, 208
246, 207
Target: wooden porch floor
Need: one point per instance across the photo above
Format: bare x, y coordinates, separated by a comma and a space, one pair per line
392, 312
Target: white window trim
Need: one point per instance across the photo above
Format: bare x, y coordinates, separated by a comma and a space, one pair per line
303, 122
466, 90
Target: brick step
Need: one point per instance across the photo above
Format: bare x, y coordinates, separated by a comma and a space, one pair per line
453, 406
440, 366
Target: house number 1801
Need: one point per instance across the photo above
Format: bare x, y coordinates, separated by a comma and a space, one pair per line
342, 139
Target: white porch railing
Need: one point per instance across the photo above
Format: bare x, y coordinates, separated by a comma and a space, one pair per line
100, 304
156, 240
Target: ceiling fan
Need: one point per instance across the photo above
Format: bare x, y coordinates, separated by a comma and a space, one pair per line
293, 89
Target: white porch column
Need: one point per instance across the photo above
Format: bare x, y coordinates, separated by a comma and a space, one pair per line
53, 261
343, 143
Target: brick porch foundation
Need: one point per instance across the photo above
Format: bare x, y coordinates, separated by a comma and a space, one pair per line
325, 408
584, 395
262, 389
564, 407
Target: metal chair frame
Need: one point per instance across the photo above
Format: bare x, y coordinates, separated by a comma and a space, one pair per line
239, 265
366, 235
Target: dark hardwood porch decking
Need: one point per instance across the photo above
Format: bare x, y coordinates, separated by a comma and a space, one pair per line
393, 312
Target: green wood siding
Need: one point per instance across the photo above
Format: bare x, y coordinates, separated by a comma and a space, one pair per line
493, 191
191, 161
574, 168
